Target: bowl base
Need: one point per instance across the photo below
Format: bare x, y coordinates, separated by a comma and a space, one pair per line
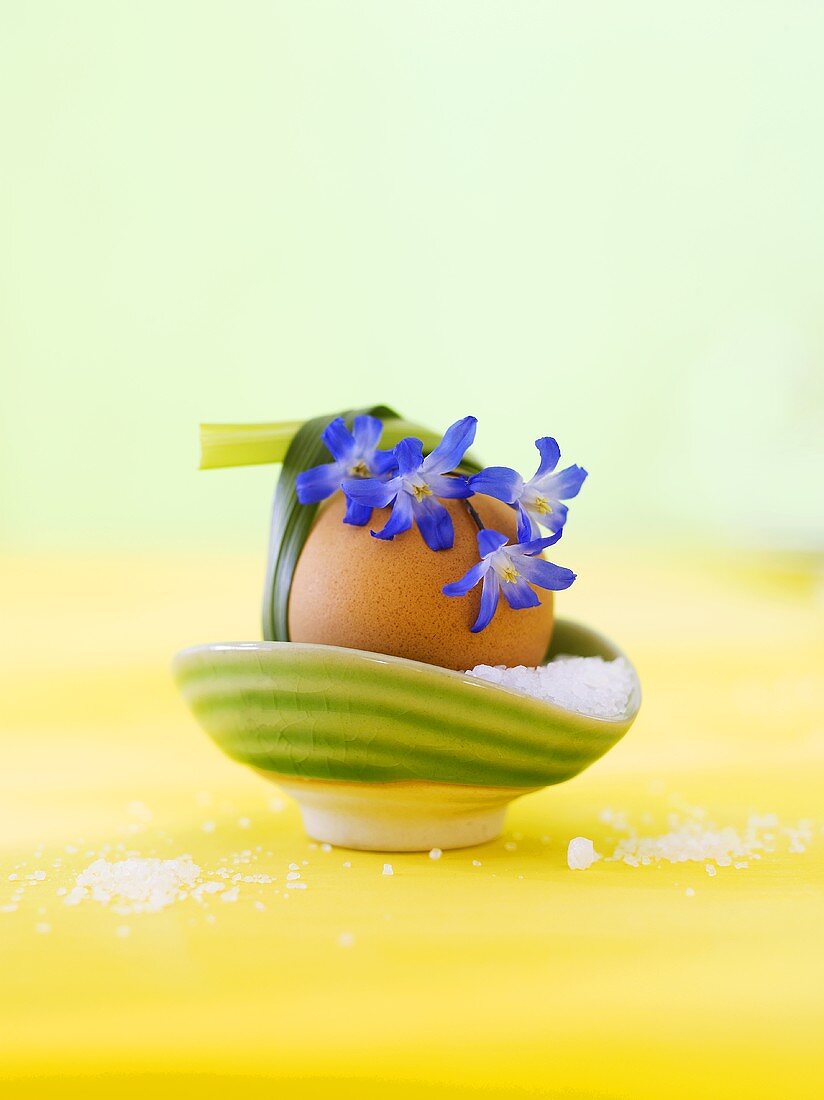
399, 817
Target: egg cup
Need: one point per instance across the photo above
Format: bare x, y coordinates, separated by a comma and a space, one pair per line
387, 754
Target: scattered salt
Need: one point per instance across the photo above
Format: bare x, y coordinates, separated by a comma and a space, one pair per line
581, 854
435, 853
346, 939
292, 875
295, 885
326, 847
42, 928
388, 869
587, 685
208, 826
694, 838
122, 931
476, 863
230, 895
244, 822
135, 885
689, 892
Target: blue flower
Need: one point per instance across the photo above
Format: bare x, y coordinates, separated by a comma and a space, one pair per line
413, 492
538, 500
356, 456
511, 570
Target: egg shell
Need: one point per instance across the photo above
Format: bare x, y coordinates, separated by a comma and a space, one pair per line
350, 589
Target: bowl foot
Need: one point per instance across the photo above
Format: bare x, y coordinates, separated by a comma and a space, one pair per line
399, 817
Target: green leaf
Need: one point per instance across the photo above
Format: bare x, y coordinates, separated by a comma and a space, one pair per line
292, 521
245, 444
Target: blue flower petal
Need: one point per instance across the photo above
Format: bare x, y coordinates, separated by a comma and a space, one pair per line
564, 485
338, 439
399, 521
468, 581
456, 442
535, 546
500, 482
489, 541
358, 515
367, 431
434, 523
409, 456
449, 488
371, 491
489, 602
519, 595
550, 454
383, 462
527, 526
318, 483
543, 573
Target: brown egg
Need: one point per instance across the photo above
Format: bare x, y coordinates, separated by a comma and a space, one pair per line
350, 589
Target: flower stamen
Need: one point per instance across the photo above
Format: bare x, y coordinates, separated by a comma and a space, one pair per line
542, 506
360, 469
421, 491
510, 573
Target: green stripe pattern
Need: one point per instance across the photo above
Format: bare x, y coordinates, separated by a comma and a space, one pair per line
324, 712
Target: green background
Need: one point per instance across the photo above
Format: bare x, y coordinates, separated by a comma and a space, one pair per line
599, 221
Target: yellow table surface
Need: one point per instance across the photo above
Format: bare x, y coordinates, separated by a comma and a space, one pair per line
515, 977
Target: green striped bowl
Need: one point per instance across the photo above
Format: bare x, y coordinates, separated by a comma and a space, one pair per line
386, 753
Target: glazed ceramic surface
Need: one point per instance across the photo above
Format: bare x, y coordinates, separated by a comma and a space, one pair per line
359, 735
322, 712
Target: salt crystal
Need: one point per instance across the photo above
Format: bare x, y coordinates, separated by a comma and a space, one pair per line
122, 931
294, 867
476, 863
230, 895
136, 885
12, 877
435, 853
689, 892
260, 906
581, 854
510, 846
295, 885
346, 939
208, 826
326, 847
292, 875
244, 822
388, 869
42, 928
347, 863
711, 871
586, 685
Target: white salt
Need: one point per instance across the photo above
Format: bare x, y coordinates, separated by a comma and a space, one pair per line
135, 885
695, 838
42, 929
581, 854
587, 685
435, 853
388, 869
346, 939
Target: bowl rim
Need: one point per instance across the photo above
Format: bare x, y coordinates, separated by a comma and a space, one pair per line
565, 631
